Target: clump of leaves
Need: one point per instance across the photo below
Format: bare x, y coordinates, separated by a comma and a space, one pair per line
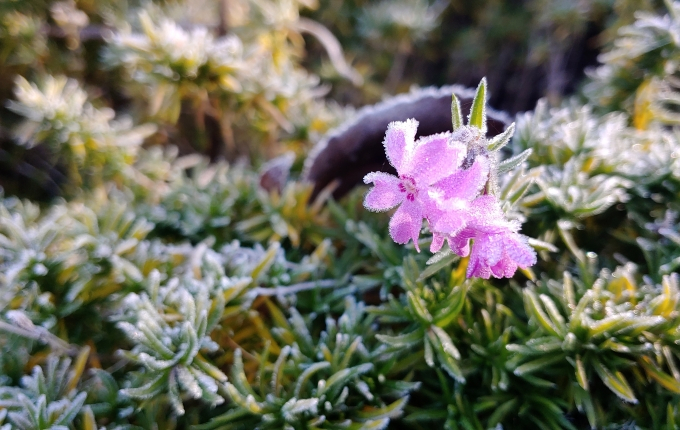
86, 140
170, 328
235, 301
637, 71
48, 398
248, 85
338, 377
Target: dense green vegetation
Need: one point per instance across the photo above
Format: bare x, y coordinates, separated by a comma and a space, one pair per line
148, 279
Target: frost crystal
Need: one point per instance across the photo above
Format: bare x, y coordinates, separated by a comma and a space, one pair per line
448, 179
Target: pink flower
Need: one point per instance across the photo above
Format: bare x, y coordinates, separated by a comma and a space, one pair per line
498, 249
419, 165
440, 178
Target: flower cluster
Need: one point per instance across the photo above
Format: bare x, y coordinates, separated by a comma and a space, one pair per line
446, 180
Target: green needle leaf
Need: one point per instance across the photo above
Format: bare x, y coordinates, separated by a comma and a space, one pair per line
438, 262
542, 363
393, 410
535, 309
501, 412
456, 115
502, 139
663, 378
418, 308
616, 382
478, 111
403, 340
581, 375
512, 162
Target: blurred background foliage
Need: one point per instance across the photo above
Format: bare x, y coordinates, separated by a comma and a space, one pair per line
164, 265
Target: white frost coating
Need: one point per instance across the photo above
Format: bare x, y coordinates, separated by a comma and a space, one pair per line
153, 364
380, 424
344, 321
295, 407
343, 396
206, 382
20, 318
285, 351
364, 389
252, 404
188, 382
341, 338
130, 331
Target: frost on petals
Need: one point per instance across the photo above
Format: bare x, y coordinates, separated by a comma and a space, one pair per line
386, 193
498, 249
399, 140
500, 255
442, 178
406, 222
453, 197
419, 165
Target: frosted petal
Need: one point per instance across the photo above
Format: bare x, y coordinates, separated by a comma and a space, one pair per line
434, 157
485, 249
406, 223
460, 246
488, 205
518, 250
453, 204
451, 222
487, 216
437, 242
385, 194
493, 248
399, 141
431, 211
476, 268
505, 268
465, 184
500, 255
460, 243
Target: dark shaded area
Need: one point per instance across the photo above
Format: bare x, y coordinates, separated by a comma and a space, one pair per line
526, 49
28, 172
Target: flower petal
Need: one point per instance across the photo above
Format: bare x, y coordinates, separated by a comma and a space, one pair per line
399, 141
460, 244
406, 223
451, 222
434, 157
465, 184
518, 250
476, 268
515, 252
437, 242
486, 216
385, 194
505, 268
493, 248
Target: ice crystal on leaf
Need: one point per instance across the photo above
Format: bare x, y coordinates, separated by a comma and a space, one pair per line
448, 179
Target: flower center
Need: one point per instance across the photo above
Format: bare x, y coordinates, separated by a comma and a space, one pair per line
408, 186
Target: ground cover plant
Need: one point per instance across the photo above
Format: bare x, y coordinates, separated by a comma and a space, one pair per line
164, 263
